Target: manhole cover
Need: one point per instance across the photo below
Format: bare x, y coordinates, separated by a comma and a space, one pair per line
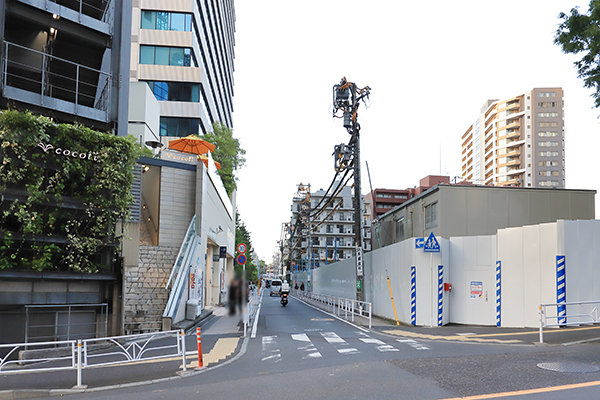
568, 366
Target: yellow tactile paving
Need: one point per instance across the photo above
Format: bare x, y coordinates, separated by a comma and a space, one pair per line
222, 349
461, 338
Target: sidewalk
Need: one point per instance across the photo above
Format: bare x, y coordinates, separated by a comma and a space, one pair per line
222, 338
485, 334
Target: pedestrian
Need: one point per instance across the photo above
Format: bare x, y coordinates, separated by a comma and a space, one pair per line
302, 286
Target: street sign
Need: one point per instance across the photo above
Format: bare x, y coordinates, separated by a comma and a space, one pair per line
358, 284
223, 252
431, 244
241, 260
419, 243
241, 248
359, 261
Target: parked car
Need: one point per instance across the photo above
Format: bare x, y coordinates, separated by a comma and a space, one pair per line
275, 287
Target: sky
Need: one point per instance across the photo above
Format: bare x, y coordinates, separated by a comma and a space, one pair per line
430, 69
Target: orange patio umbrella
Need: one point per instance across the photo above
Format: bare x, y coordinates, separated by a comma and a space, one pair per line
191, 144
205, 161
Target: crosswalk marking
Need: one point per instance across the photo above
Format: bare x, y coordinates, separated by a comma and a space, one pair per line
271, 351
348, 351
414, 344
332, 337
381, 346
309, 348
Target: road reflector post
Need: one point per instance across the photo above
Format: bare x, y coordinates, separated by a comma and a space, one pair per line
200, 361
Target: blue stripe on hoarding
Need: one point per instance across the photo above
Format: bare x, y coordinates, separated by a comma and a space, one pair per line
413, 295
561, 289
440, 293
498, 294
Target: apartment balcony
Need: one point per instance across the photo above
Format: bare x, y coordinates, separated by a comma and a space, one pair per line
40, 79
93, 14
509, 163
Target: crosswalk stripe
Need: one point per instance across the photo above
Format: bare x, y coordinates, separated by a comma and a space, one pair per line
348, 351
302, 337
332, 337
309, 348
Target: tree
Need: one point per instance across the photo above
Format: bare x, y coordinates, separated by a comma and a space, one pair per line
228, 153
580, 33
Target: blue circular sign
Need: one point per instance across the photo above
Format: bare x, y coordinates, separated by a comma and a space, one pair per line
241, 259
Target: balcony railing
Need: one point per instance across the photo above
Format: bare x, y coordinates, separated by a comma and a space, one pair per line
48, 76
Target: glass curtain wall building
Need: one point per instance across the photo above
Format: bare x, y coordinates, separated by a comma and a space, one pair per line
184, 51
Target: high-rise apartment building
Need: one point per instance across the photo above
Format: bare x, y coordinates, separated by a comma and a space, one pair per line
184, 51
518, 141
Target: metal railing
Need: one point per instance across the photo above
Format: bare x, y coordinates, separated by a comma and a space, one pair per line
355, 308
90, 353
338, 306
51, 76
250, 313
568, 314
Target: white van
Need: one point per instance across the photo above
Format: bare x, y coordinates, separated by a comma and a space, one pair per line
275, 287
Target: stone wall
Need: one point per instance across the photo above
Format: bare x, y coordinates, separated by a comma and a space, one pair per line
145, 296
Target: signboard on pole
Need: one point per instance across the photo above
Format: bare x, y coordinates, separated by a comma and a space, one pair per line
431, 244
359, 261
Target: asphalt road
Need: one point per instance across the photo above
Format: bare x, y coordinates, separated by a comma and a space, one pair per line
302, 353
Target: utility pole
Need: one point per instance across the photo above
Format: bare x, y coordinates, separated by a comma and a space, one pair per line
346, 99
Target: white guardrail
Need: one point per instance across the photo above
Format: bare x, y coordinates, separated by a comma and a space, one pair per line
339, 305
565, 314
89, 353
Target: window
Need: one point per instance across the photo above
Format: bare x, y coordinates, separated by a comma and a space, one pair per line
329, 241
341, 242
329, 229
548, 144
547, 124
548, 183
547, 114
156, 55
546, 94
431, 216
166, 21
548, 163
340, 228
547, 104
180, 127
400, 229
403, 196
175, 91
548, 153
547, 134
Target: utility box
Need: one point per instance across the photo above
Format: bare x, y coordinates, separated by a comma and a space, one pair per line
191, 308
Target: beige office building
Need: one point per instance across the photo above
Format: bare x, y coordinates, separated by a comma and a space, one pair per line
517, 141
184, 51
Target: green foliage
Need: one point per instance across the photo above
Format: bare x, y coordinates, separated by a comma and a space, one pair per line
228, 153
580, 33
66, 187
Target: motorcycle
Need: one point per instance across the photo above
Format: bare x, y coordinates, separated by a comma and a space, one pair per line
284, 299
